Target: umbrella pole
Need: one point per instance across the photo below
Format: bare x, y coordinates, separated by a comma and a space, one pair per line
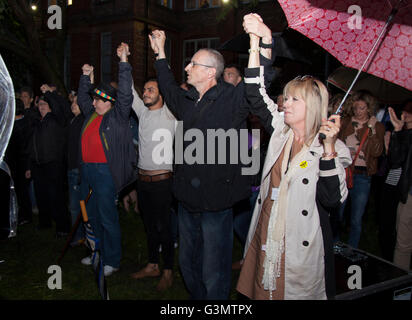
74, 228
388, 21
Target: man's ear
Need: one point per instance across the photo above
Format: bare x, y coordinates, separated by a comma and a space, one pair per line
211, 73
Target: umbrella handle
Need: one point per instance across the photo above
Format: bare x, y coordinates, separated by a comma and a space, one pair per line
322, 135
83, 209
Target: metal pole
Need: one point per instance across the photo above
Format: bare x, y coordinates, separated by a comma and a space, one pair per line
388, 21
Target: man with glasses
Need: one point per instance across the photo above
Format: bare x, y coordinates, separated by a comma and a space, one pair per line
206, 191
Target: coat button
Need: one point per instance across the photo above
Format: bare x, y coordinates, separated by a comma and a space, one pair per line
259, 200
305, 181
304, 212
305, 243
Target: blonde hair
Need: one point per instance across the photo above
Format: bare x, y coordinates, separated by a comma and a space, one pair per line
316, 98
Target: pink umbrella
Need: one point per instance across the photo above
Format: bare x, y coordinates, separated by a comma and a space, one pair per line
380, 45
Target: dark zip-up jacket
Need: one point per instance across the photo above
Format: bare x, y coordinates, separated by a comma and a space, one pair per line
48, 140
400, 155
74, 130
114, 130
206, 186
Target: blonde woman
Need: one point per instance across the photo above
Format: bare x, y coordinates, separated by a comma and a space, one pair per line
288, 253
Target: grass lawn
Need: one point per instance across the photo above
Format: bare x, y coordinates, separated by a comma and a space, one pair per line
27, 257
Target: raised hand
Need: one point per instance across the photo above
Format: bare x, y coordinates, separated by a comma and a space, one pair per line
44, 88
253, 23
330, 129
123, 51
157, 41
396, 122
88, 70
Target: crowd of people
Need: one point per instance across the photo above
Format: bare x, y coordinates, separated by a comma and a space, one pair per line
288, 216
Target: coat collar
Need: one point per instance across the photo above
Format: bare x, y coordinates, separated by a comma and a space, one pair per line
210, 94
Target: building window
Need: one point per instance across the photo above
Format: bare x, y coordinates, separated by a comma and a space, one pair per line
190, 47
166, 3
69, 2
201, 4
106, 57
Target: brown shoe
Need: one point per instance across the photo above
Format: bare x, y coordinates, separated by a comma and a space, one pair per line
148, 271
166, 280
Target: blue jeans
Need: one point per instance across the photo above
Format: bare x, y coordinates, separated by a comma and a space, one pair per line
73, 179
205, 255
359, 196
102, 211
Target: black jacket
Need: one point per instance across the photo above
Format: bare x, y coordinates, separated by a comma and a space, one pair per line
74, 129
47, 143
400, 155
206, 186
114, 129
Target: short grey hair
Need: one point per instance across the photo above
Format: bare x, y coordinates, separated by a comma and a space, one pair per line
216, 60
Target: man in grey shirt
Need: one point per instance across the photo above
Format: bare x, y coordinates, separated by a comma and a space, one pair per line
154, 188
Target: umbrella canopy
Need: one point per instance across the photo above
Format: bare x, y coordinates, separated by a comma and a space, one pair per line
240, 44
328, 24
385, 91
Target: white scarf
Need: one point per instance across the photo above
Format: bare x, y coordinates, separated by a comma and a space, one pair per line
276, 228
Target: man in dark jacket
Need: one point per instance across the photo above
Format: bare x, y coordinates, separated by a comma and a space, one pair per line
206, 190
46, 166
107, 155
400, 155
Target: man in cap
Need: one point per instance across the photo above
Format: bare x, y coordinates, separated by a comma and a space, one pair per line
107, 155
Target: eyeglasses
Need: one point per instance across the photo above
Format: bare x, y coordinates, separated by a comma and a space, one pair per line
193, 63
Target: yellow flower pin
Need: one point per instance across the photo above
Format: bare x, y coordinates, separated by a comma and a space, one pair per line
303, 164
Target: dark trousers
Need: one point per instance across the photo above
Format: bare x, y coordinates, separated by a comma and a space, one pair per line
22, 185
155, 200
387, 220
49, 190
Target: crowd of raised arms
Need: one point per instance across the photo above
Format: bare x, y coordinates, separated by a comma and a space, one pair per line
316, 171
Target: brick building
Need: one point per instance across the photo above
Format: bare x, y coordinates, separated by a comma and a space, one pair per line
96, 27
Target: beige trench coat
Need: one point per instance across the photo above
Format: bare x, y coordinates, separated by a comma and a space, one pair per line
304, 264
